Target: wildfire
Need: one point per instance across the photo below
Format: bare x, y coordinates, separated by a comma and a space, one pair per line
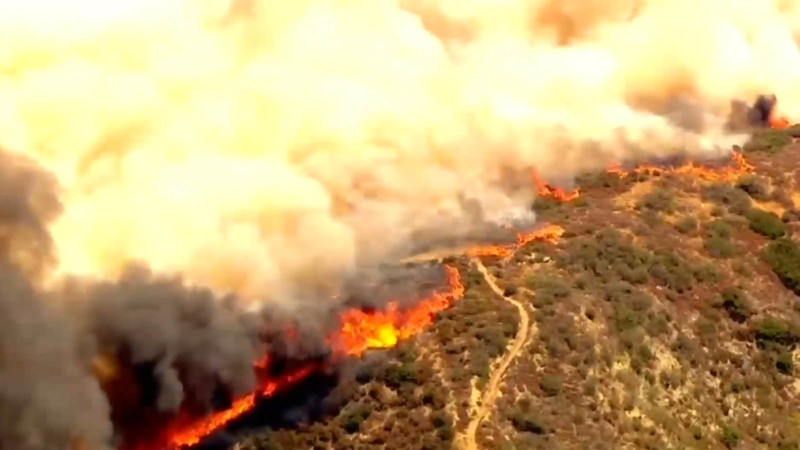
778, 122
358, 332
549, 233
737, 166
545, 190
189, 431
362, 330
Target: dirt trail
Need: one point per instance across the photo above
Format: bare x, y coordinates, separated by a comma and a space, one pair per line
469, 441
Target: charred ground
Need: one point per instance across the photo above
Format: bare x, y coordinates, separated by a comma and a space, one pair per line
666, 317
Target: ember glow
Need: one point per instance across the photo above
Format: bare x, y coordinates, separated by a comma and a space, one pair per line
736, 167
545, 190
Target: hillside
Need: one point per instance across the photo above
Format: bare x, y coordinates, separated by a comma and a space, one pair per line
666, 316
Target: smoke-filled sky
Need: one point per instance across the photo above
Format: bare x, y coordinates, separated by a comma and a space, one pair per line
263, 146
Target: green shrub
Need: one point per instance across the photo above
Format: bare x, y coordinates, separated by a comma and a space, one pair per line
705, 272
718, 228
736, 304
755, 186
354, 416
723, 194
526, 422
672, 271
784, 364
686, 225
783, 256
719, 247
608, 254
730, 436
773, 331
399, 374
551, 384
768, 141
765, 223
659, 200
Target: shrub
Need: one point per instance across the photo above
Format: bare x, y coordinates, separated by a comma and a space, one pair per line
672, 271
730, 436
353, 417
527, 422
783, 256
718, 228
397, 375
510, 290
736, 304
755, 186
723, 194
686, 225
705, 272
768, 141
607, 255
773, 331
719, 247
548, 290
765, 223
659, 200
551, 385
784, 364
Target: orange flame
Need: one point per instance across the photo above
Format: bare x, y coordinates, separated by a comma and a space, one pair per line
545, 190
189, 432
358, 332
738, 166
549, 233
362, 330
778, 122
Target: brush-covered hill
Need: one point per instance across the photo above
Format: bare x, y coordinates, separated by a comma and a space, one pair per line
666, 316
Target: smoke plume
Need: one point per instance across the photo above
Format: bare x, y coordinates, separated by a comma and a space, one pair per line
272, 152
43, 377
258, 146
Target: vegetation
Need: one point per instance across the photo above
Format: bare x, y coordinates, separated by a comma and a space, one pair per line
659, 200
736, 304
765, 223
768, 141
756, 187
783, 255
650, 332
687, 225
718, 240
722, 194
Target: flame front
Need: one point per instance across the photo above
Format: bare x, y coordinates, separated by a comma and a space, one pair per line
188, 431
359, 331
737, 166
549, 233
362, 330
545, 190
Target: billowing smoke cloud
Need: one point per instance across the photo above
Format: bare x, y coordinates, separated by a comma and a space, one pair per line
197, 344
277, 150
259, 146
48, 398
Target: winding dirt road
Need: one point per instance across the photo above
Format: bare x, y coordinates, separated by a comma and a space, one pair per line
481, 411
